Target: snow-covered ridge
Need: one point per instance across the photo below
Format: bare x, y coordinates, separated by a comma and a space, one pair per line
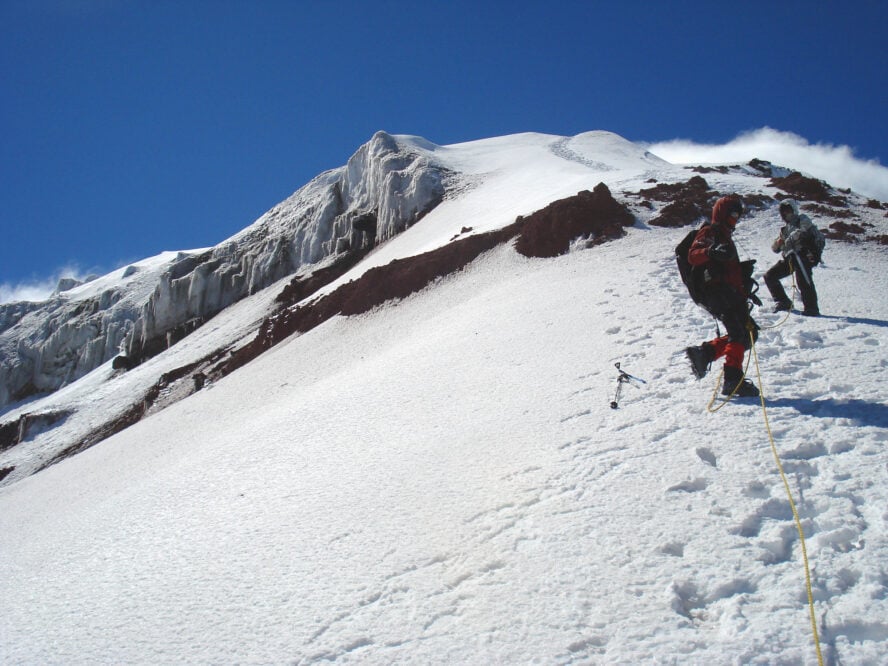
389, 183
142, 309
487, 185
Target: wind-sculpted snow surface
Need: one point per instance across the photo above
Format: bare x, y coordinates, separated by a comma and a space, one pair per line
45, 346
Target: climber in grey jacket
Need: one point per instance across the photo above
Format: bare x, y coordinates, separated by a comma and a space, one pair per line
801, 244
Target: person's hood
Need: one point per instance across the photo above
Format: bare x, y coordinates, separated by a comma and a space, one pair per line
794, 204
721, 211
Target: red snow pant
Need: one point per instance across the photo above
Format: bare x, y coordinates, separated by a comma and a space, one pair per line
730, 309
732, 351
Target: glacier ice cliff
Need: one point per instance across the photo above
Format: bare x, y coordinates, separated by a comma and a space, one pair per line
384, 188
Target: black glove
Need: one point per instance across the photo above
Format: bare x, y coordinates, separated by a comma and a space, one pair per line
749, 284
720, 252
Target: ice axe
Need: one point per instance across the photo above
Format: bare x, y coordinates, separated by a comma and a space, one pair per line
801, 267
623, 378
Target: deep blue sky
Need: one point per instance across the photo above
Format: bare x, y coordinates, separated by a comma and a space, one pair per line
135, 126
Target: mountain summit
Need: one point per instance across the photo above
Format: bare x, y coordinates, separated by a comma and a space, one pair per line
377, 425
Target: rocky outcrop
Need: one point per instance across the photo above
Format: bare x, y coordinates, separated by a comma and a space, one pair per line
687, 202
691, 202
28, 425
594, 217
804, 188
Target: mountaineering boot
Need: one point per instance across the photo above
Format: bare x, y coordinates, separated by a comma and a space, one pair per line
736, 385
783, 306
811, 313
700, 358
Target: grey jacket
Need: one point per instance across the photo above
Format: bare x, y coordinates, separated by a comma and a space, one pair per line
794, 229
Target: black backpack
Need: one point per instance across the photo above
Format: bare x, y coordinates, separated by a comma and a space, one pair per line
813, 243
692, 276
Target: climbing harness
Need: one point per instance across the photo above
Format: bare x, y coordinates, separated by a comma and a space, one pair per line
623, 378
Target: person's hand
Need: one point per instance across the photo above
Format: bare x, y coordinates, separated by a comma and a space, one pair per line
720, 252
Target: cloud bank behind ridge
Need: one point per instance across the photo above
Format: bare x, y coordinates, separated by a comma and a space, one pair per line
837, 165
37, 290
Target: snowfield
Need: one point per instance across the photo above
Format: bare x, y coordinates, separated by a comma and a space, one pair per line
443, 479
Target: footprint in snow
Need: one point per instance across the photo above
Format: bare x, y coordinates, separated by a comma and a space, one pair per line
707, 456
690, 600
776, 509
689, 486
806, 451
757, 489
673, 548
585, 412
777, 544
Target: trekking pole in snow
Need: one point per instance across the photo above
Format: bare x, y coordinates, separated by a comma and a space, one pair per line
623, 378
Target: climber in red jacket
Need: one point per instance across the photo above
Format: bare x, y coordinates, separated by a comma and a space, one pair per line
727, 284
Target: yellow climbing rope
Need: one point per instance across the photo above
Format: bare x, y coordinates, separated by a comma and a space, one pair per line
792, 505
709, 407
795, 513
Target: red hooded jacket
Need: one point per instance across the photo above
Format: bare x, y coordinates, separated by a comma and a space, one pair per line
718, 232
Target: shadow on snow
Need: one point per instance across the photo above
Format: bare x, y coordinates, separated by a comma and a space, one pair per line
857, 320
861, 412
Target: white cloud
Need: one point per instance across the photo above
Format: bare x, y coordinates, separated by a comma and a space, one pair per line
38, 289
837, 165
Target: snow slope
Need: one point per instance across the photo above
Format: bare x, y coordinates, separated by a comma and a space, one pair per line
442, 480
